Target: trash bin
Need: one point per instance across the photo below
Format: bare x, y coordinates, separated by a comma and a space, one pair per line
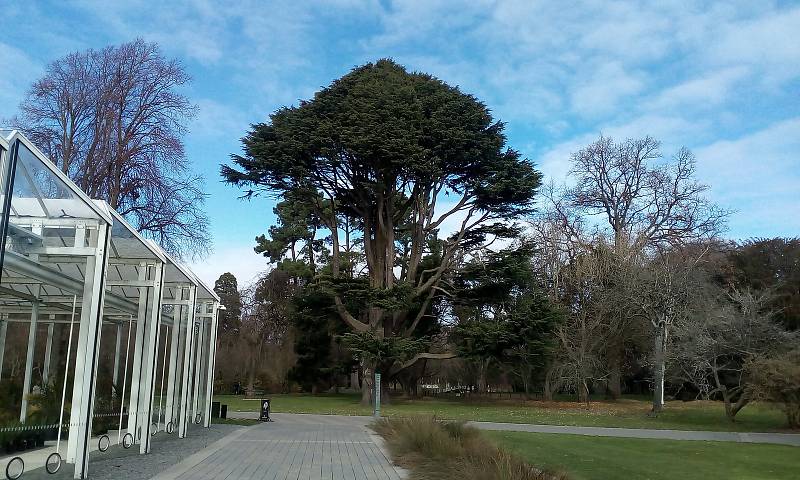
214, 409
264, 417
223, 412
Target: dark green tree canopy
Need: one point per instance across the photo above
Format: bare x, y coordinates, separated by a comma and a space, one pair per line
388, 156
771, 264
227, 288
381, 131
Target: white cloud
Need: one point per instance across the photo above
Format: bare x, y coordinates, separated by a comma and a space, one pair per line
685, 73
768, 42
607, 85
215, 119
238, 259
706, 91
757, 174
17, 72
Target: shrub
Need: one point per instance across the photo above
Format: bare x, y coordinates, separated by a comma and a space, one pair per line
777, 380
435, 450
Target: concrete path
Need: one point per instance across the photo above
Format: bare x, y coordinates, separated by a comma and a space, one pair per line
775, 438
297, 447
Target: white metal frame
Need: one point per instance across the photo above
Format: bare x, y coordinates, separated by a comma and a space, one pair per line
100, 299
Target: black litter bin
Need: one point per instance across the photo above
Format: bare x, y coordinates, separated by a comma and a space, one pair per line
214, 409
264, 417
223, 412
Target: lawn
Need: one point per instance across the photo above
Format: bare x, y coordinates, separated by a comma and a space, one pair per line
630, 413
599, 458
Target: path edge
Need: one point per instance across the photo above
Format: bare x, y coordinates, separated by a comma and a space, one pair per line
194, 459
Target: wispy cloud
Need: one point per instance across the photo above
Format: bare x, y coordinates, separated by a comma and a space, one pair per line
719, 77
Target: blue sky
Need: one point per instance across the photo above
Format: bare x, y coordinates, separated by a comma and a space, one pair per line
720, 78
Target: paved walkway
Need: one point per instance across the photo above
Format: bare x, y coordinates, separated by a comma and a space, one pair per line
775, 438
298, 447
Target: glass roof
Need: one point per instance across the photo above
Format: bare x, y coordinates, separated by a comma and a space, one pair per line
40, 192
46, 210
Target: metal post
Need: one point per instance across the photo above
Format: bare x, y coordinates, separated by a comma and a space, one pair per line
187, 364
198, 364
138, 350
3, 329
48, 351
212, 361
149, 361
377, 411
117, 346
173, 358
26, 385
86, 356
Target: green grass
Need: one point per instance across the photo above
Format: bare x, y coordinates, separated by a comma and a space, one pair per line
236, 421
629, 412
598, 458
435, 450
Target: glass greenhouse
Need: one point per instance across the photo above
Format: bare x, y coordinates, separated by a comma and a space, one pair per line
106, 342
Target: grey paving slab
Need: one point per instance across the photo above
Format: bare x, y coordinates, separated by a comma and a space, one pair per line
294, 447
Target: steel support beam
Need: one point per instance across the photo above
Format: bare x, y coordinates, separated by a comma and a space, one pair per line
172, 377
138, 353
187, 365
150, 360
48, 351
86, 357
3, 330
26, 384
198, 365
212, 361
117, 346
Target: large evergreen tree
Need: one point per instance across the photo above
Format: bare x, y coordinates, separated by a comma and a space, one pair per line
229, 319
401, 153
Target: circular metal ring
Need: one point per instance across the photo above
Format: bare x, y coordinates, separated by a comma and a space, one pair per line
11, 474
53, 463
198, 418
127, 440
103, 443
170, 428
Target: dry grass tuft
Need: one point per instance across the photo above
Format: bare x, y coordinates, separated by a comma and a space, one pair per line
435, 450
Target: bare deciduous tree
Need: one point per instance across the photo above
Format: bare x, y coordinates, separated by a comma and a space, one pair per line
112, 120
714, 346
664, 293
645, 201
265, 318
645, 204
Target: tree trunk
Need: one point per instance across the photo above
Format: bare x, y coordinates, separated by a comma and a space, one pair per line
251, 374
548, 384
731, 407
366, 384
483, 369
526, 383
658, 369
614, 358
583, 392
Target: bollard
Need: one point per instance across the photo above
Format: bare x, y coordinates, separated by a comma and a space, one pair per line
376, 412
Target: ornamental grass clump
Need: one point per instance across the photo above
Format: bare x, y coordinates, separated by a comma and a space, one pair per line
435, 450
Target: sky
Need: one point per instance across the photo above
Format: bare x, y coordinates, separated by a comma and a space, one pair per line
721, 78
